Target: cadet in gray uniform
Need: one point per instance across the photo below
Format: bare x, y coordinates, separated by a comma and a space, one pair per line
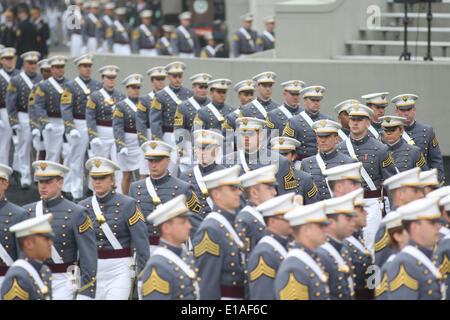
17, 105
163, 45
107, 21
341, 110
109, 211
305, 185
169, 274
300, 128
406, 156
207, 145
412, 275
378, 103
92, 28
244, 40
161, 186
218, 250
145, 36
10, 214
266, 40
259, 185
74, 241
183, 40
441, 258
420, 134
263, 104
271, 250
300, 275
118, 34
245, 90
29, 278
327, 157
73, 111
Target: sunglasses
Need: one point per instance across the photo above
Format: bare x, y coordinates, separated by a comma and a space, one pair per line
59, 67
203, 86
177, 75
110, 77
159, 78
134, 87
8, 58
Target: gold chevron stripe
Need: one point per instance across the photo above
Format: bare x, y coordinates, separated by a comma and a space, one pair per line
421, 161
288, 131
155, 283
16, 291
445, 265
155, 104
313, 191
382, 286
388, 161
178, 121
382, 243
136, 217
403, 279
289, 180
90, 104
117, 113
86, 225
194, 203
434, 142
262, 269
206, 246
294, 290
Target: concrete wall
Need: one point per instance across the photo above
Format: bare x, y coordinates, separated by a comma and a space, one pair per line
343, 80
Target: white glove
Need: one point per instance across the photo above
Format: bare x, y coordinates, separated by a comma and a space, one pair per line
124, 151
96, 143
16, 127
2, 125
83, 297
35, 132
49, 127
185, 160
74, 133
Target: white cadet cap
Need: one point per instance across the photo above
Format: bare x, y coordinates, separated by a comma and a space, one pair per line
392, 121
58, 61
8, 52
378, 99
408, 178
261, 175
351, 171
359, 110
121, 11
133, 79
439, 193
221, 84
167, 28
109, 70
38, 225
87, 4
44, 64
224, 177
293, 86
429, 178
207, 137
405, 101
280, 205
313, 92
269, 19
311, 213
94, 4
265, 77
203, 78
245, 85
284, 144
5, 172
110, 6
156, 149
343, 106
392, 220
208, 36
185, 15
146, 14
344, 204
159, 71
358, 197
168, 210
325, 127
175, 67
30, 56
46, 170
84, 59
1, 47
99, 166
247, 123
445, 202
247, 17
425, 208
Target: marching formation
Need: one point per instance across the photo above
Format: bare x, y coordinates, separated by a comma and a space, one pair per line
264, 200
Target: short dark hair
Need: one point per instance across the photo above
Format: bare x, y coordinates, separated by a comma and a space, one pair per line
407, 224
391, 240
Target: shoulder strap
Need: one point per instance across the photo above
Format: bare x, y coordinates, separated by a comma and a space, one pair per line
130, 104
307, 118
194, 103
82, 85
26, 79
357, 244
172, 95
216, 112
5, 75
247, 36
151, 190
275, 244
286, 112
151, 95
39, 212
260, 107
306, 259
55, 85
418, 255
269, 35
342, 135
31, 270
374, 132
105, 227
187, 36
199, 178
322, 168
5, 256
364, 173
254, 213
242, 161
219, 218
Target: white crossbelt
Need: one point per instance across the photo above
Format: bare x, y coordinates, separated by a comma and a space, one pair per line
151, 95
106, 96
105, 227
31, 270
407, 138
357, 244
5, 75
130, 104
444, 231
254, 213
323, 168
187, 36
364, 173
121, 29
194, 103
211, 50
169, 255
107, 20
148, 33
215, 112
93, 18
199, 178
83, 86
166, 43
5, 256
269, 35
151, 190
374, 132
260, 107
307, 118
306, 259
243, 162
26, 79
286, 112
342, 135
172, 95
418, 255
55, 85
275, 244
248, 37
55, 255
332, 250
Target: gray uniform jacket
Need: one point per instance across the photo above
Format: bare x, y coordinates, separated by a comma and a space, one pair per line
277, 119
264, 42
143, 40
143, 117
92, 29
441, 260
382, 250
74, 100
34, 119
106, 22
186, 112
250, 110
164, 47
248, 227
124, 120
381, 291
306, 187
116, 35
74, 239
407, 156
4, 86
360, 261
182, 44
206, 119
122, 214
243, 45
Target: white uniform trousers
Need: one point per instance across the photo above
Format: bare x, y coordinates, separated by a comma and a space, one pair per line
5, 137
78, 147
169, 138
186, 55
92, 44
373, 208
76, 44
113, 279
23, 148
143, 166
63, 287
148, 52
107, 150
133, 160
121, 48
